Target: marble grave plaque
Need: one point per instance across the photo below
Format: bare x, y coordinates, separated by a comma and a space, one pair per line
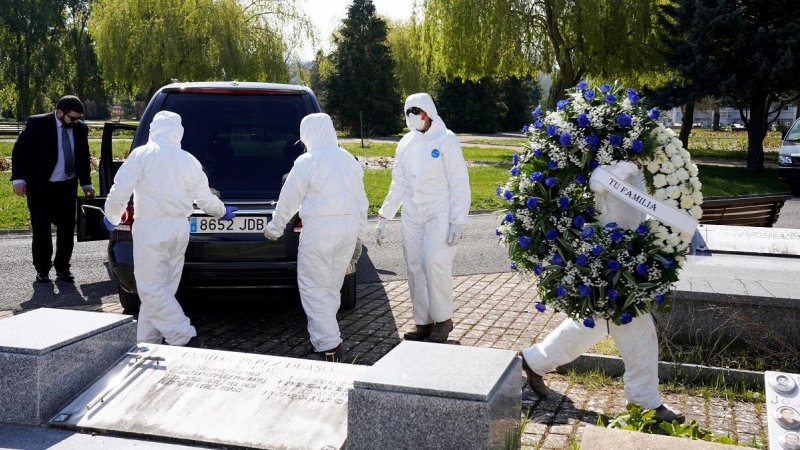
760, 240
217, 397
783, 410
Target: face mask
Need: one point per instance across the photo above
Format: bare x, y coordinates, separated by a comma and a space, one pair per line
415, 122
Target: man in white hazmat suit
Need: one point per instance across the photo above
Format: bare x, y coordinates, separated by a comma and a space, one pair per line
327, 185
430, 180
637, 341
164, 180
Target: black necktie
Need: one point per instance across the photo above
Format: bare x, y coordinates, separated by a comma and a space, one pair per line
69, 158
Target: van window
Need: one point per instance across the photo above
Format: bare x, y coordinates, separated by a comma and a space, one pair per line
246, 143
794, 132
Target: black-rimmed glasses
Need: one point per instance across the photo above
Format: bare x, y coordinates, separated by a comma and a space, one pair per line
74, 118
413, 110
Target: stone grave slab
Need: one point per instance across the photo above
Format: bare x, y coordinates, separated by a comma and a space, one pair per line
758, 240
47, 356
425, 395
217, 397
783, 409
598, 438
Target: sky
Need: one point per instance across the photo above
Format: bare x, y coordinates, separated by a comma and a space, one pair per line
327, 14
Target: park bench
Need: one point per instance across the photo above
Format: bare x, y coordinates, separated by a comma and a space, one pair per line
743, 210
11, 128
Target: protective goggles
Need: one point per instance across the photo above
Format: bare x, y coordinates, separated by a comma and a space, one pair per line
413, 110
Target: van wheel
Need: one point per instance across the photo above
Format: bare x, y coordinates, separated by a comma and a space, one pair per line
348, 292
130, 302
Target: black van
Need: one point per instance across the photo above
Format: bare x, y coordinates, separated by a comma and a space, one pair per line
244, 135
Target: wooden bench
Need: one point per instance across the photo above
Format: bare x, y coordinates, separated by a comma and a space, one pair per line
11, 128
743, 210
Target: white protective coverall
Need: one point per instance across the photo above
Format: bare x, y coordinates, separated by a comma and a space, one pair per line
164, 180
430, 180
636, 341
327, 185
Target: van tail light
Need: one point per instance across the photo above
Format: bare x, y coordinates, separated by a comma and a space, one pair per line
127, 218
298, 227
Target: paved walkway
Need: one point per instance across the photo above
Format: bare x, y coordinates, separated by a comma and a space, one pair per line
493, 311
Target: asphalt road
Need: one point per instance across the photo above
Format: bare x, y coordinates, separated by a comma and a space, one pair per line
478, 252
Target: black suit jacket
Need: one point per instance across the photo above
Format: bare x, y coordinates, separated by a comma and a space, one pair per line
35, 153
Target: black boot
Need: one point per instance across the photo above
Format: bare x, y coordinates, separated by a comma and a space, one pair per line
440, 331
535, 381
419, 333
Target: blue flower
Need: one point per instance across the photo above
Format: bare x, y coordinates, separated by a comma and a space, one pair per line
525, 241
540, 307
613, 265
611, 98
552, 165
560, 291
634, 98
589, 95
581, 260
513, 265
552, 130
642, 229
588, 322
616, 236
587, 232
526, 128
565, 139
499, 191
563, 202
515, 158
578, 221
514, 171
592, 140
580, 178
630, 92
593, 164
612, 295
641, 269
551, 234
669, 263
550, 181
582, 85
562, 105
532, 202
537, 112
557, 259
590, 211
604, 88
624, 120
584, 290
538, 269
583, 120
597, 250
497, 232
508, 195
653, 114
537, 176
538, 124
638, 146
659, 297
615, 140
509, 217
625, 318
538, 152
612, 225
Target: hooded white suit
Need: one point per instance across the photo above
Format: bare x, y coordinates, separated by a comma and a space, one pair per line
327, 185
636, 341
165, 180
430, 180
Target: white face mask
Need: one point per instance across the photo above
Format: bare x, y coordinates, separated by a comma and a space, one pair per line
415, 122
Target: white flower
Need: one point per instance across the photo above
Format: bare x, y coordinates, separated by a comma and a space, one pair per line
686, 201
677, 159
696, 212
653, 166
693, 170
673, 192
697, 197
671, 149
667, 167
659, 181
696, 184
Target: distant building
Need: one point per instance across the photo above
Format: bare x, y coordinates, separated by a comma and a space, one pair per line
730, 116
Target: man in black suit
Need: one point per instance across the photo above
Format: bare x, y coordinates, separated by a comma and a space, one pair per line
49, 158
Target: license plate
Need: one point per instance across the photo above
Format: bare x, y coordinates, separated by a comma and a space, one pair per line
237, 225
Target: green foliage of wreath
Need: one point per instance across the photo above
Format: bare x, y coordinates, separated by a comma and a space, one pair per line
551, 225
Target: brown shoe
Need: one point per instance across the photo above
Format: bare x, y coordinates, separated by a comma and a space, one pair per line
535, 382
419, 333
440, 331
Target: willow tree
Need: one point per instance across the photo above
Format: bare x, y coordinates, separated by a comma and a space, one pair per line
602, 39
143, 44
404, 43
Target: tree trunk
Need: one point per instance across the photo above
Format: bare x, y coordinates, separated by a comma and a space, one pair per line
686, 124
756, 131
715, 122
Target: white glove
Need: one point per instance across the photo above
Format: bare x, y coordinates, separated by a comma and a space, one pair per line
272, 233
380, 231
454, 236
